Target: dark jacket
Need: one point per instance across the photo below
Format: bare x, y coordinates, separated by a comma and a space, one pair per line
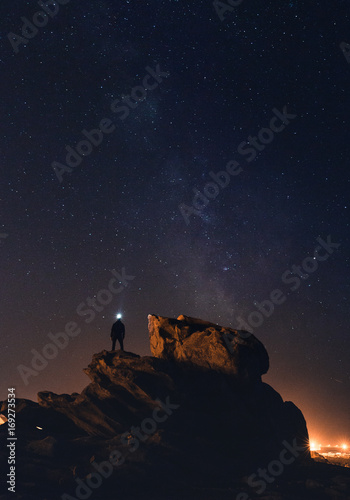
118, 330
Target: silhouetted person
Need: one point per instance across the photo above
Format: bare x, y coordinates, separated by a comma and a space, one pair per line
118, 333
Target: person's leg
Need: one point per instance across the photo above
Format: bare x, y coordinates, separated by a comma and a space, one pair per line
121, 342
113, 344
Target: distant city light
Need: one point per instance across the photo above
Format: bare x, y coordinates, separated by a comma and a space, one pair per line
40, 428
314, 446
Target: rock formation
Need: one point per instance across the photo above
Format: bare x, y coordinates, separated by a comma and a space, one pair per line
197, 343
192, 421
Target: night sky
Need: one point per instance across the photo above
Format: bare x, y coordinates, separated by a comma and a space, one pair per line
273, 71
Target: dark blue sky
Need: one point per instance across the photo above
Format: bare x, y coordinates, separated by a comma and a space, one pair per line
120, 207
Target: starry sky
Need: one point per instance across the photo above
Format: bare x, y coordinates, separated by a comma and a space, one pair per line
222, 74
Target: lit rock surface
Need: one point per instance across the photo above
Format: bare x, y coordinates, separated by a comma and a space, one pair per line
198, 343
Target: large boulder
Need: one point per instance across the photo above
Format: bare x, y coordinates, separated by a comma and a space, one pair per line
197, 343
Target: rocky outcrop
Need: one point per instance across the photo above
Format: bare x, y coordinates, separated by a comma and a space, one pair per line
124, 389
192, 421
